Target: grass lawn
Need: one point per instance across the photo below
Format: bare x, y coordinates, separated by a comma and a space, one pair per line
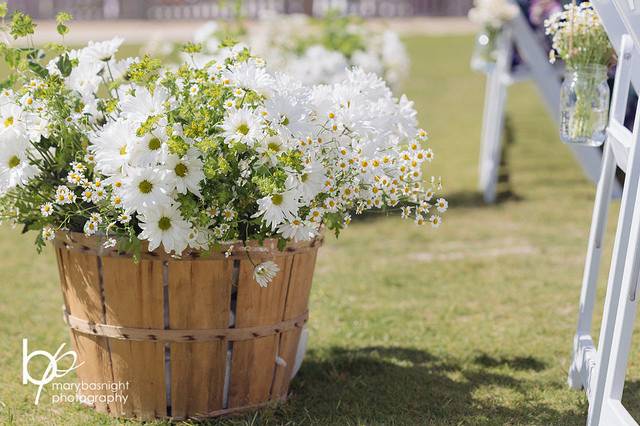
471, 324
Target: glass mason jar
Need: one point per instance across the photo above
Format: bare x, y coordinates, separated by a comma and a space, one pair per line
484, 53
584, 105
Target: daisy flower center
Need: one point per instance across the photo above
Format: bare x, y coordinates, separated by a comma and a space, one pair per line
276, 199
123, 150
154, 144
181, 170
164, 223
243, 128
274, 146
14, 162
8, 121
145, 186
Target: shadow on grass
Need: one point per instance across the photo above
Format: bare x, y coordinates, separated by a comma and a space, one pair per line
515, 363
473, 199
631, 397
393, 385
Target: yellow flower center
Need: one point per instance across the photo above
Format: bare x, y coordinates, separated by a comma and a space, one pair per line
181, 170
145, 186
273, 146
164, 223
8, 121
276, 199
154, 144
243, 129
14, 162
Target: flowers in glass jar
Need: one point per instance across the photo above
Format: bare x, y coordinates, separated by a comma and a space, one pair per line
579, 39
189, 158
490, 16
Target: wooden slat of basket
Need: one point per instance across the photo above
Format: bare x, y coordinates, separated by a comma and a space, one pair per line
199, 294
133, 295
297, 302
79, 277
253, 361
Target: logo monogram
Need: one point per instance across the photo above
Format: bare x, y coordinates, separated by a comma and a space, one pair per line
51, 372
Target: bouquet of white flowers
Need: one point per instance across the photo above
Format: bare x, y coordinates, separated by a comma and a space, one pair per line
316, 51
579, 39
201, 155
490, 15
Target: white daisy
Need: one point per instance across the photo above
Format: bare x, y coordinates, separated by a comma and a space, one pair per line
90, 227
48, 233
112, 147
149, 150
46, 209
15, 169
144, 187
186, 172
242, 125
143, 104
100, 51
265, 272
310, 182
442, 205
277, 208
297, 230
164, 225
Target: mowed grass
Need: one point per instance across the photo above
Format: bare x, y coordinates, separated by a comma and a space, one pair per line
471, 324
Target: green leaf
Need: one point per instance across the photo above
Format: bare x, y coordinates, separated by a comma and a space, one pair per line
38, 69
3, 9
64, 65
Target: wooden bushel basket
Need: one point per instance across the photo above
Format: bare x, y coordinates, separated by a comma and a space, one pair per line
193, 337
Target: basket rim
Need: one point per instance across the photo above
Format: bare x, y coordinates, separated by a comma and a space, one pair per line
233, 250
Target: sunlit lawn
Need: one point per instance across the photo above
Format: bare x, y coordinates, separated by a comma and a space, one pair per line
471, 324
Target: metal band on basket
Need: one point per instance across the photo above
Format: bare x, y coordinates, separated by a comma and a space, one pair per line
185, 336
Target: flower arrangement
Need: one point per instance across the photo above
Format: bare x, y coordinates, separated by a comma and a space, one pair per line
579, 39
316, 51
490, 15
207, 153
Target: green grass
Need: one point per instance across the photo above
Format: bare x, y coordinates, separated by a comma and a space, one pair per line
471, 324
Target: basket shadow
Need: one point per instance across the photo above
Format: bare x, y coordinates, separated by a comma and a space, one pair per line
389, 385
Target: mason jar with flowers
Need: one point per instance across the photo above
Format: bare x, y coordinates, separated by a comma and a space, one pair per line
579, 39
490, 16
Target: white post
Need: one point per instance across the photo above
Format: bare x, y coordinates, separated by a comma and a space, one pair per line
492, 123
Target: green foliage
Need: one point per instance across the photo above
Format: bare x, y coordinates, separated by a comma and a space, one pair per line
337, 36
191, 48
145, 70
61, 20
21, 25
64, 65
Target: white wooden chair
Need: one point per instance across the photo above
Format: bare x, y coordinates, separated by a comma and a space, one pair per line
547, 79
601, 371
